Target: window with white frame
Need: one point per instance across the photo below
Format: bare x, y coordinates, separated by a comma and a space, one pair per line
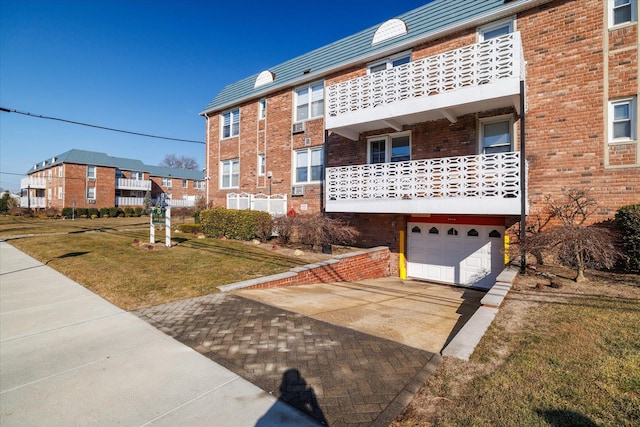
390, 62
308, 165
50, 174
91, 172
622, 12
49, 190
138, 176
389, 148
60, 172
496, 135
622, 118
166, 182
230, 173
262, 108
198, 185
309, 102
496, 29
60, 192
91, 193
262, 164
231, 123
185, 183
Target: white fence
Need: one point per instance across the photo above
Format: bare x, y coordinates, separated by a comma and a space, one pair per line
275, 204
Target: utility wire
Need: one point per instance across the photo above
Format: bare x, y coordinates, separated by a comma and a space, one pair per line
7, 110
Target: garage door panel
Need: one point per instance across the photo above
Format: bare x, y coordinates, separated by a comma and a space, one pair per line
469, 258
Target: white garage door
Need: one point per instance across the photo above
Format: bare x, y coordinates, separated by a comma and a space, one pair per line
469, 255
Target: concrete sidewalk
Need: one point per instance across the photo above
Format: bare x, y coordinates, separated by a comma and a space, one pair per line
68, 357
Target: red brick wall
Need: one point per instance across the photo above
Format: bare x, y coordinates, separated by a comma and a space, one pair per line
271, 136
567, 95
370, 264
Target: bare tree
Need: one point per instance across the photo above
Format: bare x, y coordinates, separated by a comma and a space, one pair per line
570, 239
182, 162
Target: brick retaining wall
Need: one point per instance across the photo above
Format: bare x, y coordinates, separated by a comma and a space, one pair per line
366, 264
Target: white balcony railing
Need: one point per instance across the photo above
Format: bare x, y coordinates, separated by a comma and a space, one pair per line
496, 65
33, 182
133, 184
33, 202
275, 204
129, 201
483, 184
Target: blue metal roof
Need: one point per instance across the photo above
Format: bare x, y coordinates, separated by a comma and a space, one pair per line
82, 157
432, 20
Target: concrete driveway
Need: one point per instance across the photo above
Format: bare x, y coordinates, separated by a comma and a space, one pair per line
417, 314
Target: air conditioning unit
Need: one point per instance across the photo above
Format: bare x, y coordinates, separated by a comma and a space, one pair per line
92, 201
297, 190
298, 128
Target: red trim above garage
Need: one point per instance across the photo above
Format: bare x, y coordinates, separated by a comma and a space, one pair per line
459, 219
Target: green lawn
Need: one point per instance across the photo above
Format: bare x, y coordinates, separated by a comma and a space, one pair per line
102, 255
559, 357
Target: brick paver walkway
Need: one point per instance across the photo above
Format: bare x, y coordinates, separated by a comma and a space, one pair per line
337, 375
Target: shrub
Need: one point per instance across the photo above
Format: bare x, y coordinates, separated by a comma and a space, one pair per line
285, 226
235, 224
139, 212
213, 222
113, 212
628, 222
81, 212
67, 212
572, 242
104, 212
128, 212
190, 228
93, 212
317, 230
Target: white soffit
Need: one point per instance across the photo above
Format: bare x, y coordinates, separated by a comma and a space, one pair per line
264, 78
389, 29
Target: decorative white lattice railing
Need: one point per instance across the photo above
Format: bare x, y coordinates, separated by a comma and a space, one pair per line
133, 184
474, 65
275, 204
33, 182
424, 186
34, 202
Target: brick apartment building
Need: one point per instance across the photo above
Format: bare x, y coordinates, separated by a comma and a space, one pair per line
415, 126
86, 179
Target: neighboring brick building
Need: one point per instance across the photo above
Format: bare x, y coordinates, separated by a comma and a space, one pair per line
86, 179
415, 126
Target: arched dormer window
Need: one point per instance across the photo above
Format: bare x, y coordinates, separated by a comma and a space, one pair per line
389, 29
264, 78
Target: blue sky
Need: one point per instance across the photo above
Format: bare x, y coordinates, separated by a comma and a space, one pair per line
145, 66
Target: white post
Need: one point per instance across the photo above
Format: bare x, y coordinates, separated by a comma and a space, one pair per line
152, 229
167, 226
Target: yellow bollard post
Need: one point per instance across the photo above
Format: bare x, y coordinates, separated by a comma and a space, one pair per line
403, 267
506, 249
